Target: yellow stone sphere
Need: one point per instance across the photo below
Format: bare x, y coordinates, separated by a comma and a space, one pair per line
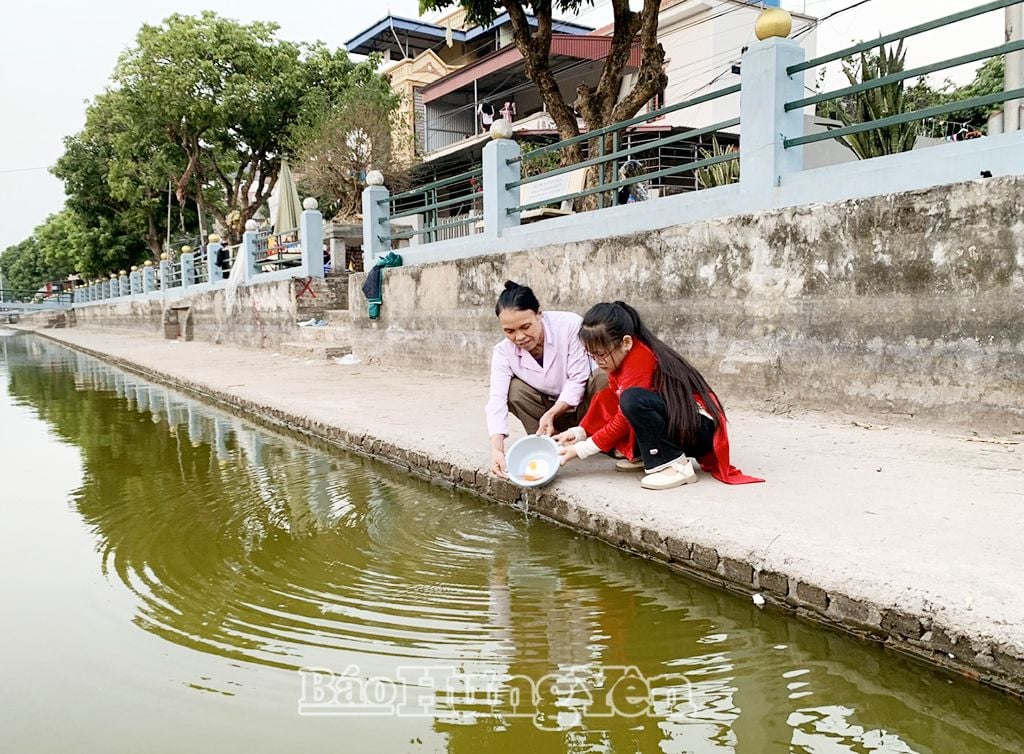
135, 267
213, 238
186, 249
164, 256
148, 263
124, 272
773, 22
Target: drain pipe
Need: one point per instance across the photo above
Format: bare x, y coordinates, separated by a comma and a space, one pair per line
1014, 75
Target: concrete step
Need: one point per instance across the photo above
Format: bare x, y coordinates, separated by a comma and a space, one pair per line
331, 332
315, 350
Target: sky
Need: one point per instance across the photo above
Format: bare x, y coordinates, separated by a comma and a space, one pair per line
58, 54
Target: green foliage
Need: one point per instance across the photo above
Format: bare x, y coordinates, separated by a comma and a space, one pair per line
537, 165
199, 113
485, 11
115, 177
987, 80
226, 96
62, 245
899, 97
877, 103
721, 173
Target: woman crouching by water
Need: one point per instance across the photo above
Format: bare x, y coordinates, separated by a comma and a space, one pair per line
657, 411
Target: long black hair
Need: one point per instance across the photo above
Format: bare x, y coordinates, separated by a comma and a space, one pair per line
676, 380
517, 297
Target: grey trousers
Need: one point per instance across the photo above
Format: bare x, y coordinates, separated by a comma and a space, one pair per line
528, 404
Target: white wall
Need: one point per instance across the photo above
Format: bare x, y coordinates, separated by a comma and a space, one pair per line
702, 39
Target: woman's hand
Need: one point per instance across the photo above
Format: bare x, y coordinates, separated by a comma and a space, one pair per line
498, 466
568, 453
546, 425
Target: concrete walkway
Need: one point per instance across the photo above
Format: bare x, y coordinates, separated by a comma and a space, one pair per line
911, 536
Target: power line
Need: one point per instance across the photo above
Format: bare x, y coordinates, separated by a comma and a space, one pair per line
25, 170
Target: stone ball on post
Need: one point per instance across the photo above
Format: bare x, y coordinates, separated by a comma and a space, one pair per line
148, 263
374, 178
164, 257
251, 224
309, 203
213, 238
773, 22
501, 129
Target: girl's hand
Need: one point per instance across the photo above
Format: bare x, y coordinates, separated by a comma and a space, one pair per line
568, 453
565, 438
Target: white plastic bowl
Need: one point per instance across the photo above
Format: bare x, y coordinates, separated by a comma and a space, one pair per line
532, 460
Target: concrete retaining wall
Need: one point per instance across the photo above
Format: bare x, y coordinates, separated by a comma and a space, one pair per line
907, 304
262, 315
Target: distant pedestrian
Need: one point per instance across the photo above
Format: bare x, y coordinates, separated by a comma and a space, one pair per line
220, 253
634, 192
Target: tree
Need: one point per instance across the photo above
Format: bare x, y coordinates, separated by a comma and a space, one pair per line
338, 141
50, 254
115, 176
988, 79
226, 96
599, 105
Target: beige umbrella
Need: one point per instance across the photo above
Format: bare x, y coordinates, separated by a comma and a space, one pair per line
285, 215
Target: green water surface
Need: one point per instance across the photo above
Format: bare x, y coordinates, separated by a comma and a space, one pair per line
176, 579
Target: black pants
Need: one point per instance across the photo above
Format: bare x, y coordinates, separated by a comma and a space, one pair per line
647, 413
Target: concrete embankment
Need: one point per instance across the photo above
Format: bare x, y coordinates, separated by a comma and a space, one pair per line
907, 536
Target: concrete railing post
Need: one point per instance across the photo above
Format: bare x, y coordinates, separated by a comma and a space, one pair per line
213, 272
123, 288
165, 273
376, 214
498, 200
311, 237
764, 122
248, 251
135, 281
188, 269
112, 287
148, 278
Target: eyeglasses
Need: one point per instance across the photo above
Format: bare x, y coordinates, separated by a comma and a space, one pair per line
601, 356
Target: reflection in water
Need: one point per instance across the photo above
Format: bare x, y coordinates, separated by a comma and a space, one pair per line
244, 544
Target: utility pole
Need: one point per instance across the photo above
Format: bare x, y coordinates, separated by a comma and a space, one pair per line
1013, 78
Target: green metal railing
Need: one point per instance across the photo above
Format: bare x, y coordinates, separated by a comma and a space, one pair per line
436, 224
893, 78
908, 117
898, 76
462, 221
897, 35
616, 154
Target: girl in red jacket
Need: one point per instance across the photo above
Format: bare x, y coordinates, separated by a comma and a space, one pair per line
657, 411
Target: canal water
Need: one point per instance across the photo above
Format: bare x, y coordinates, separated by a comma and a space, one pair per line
174, 578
